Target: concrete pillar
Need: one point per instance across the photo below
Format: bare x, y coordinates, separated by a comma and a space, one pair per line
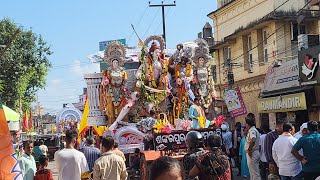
272, 121
96, 117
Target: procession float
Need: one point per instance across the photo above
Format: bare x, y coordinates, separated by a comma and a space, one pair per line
165, 85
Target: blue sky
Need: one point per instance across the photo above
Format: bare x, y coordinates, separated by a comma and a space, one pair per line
74, 29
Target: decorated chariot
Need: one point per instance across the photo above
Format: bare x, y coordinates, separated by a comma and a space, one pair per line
166, 86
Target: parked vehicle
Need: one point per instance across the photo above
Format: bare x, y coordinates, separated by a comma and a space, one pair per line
52, 141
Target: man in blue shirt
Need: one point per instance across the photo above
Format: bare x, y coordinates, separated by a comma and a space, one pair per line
310, 144
90, 152
27, 162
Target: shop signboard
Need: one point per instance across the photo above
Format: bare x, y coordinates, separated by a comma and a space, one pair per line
104, 44
286, 103
284, 76
234, 102
309, 71
177, 139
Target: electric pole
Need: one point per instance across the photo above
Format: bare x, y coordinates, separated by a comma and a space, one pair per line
162, 5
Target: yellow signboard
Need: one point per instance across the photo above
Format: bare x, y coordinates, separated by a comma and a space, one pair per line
291, 102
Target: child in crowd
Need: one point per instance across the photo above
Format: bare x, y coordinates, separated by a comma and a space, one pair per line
43, 173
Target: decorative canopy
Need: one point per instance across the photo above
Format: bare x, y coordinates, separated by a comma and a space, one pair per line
11, 115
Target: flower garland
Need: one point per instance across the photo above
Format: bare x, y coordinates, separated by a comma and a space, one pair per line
153, 83
177, 70
181, 91
162, 126
218, 121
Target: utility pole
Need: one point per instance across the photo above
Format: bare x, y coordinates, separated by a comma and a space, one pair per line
162, 5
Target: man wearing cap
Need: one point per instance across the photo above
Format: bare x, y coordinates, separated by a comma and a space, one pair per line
226, 137
303, 131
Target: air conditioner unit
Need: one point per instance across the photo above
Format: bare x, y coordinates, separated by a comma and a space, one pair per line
307, 40
250, 68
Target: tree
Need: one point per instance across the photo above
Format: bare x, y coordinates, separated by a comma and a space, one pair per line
24, 65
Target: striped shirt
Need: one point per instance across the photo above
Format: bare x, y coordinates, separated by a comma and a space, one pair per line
92, 154
269, 140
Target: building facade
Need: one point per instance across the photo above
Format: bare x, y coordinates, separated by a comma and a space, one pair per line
252, 38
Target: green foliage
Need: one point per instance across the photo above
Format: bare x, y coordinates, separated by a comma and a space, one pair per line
24, 65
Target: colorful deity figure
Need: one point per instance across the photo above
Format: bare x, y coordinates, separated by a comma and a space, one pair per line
202, 84
183, 77
154, 70
175, 58
113, 91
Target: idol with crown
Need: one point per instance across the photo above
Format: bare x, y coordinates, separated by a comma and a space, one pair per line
183, 74
113, 91
202, 84
153, 79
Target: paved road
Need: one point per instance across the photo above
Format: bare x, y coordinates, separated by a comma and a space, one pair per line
55, 172
53, 169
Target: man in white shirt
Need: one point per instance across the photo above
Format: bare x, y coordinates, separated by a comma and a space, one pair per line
252, 147
43, 148
70, 162
289, 167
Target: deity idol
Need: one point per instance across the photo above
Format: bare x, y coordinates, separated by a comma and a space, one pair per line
154, 70
175, 58
113, 91
183, 77
203, 84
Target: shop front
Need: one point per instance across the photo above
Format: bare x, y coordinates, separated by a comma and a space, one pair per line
292, 107
282, 96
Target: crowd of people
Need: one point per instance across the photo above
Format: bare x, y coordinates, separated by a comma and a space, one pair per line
278, 154
257, 153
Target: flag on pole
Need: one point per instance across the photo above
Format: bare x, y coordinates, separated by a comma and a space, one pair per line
27, 121
99, 130
9, 166
83, 127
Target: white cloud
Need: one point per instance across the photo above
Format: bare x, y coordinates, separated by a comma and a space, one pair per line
65, 86
80, 69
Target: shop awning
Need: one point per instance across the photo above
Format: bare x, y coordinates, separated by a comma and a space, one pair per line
11, 115
285, 91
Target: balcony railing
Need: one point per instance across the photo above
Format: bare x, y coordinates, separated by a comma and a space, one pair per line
211, 42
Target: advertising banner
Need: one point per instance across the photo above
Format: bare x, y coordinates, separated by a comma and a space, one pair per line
284, 76
309, 71
234, 102
104, 44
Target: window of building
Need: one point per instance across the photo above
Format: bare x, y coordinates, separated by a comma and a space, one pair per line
250, 55
295, 32
226, 54
265, 45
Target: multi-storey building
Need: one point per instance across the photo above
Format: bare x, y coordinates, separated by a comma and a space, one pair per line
254, 38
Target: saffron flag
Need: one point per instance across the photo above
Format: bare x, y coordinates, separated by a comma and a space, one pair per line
99, 130
84, 120
27, 121
9, 166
